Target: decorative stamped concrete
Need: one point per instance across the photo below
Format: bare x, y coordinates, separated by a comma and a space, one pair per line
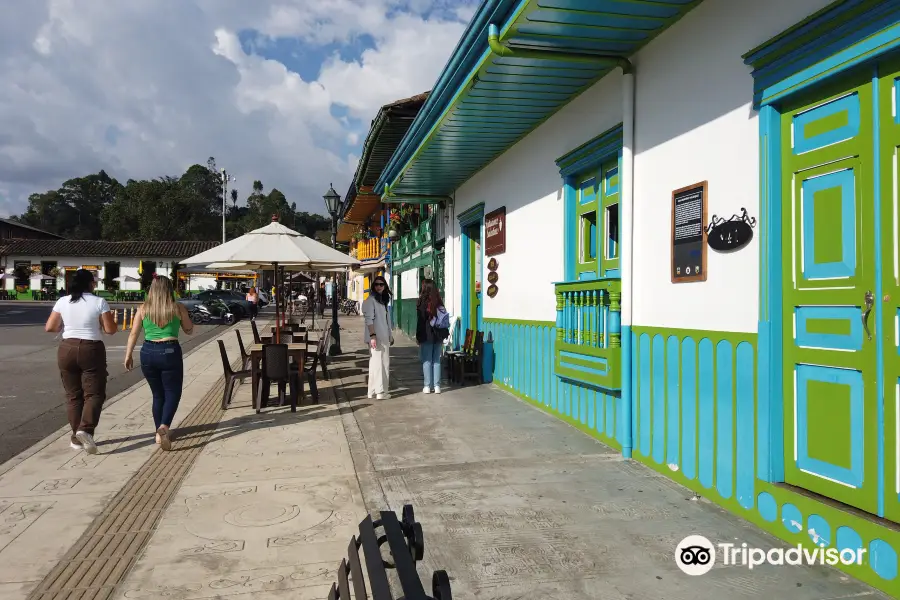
266, 511
52, 498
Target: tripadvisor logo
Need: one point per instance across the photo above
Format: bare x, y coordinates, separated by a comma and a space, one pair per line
696, 555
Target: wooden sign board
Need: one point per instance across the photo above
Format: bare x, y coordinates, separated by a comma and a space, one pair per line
689, 234
495, 232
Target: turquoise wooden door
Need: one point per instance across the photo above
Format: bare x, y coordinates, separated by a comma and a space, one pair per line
829, 276
888, 297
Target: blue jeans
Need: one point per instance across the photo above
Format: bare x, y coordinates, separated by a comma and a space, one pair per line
163, 366
430, 355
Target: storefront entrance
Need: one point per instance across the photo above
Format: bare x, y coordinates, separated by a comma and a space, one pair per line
841, 286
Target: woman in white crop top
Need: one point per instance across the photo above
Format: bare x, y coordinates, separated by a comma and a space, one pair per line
81, 357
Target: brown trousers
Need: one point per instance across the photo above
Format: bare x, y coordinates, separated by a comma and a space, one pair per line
82, 366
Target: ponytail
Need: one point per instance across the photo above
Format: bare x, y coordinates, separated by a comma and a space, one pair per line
81, 284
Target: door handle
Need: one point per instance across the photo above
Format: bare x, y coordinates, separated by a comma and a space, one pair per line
870, 300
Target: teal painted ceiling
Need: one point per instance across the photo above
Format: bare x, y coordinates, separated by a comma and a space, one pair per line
506, 98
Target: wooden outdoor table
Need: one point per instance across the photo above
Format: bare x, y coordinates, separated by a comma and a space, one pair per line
298, 351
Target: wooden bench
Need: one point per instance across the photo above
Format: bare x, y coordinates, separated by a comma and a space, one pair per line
406, 544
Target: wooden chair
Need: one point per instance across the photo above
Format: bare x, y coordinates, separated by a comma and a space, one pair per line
312, 361
230, 376
275, 369
245, 356
453, 357
322, 349
256, 338
470, 365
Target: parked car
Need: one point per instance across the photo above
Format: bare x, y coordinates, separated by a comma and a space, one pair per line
235, 301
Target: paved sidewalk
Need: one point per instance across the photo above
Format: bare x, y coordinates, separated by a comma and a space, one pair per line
516, 504
266, 512
51, 495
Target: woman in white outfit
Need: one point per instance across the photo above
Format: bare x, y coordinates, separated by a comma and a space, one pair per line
378, 337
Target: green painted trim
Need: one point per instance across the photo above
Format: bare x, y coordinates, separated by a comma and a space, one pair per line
569, 420
519, 322
613, 285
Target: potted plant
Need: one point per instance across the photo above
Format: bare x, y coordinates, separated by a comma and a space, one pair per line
394, 224
55, 272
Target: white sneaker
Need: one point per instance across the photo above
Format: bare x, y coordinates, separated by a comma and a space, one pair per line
383, 396
437, 389
426, 390
74, 444
87, 440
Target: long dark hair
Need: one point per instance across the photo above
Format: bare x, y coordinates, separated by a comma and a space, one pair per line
430, 297
385, 296
81, 285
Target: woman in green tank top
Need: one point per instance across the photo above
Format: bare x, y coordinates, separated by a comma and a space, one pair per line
162, 361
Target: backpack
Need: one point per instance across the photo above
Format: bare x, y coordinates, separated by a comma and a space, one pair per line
440, 324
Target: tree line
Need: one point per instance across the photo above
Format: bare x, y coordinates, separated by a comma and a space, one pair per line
185, 208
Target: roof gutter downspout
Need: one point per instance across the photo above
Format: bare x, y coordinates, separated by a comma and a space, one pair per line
627, 243
507, 52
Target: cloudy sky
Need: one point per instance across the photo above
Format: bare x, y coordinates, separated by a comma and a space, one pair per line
277, 90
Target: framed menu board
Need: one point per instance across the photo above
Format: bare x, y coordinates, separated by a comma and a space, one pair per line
689, 234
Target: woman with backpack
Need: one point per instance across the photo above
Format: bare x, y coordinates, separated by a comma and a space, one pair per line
432, 322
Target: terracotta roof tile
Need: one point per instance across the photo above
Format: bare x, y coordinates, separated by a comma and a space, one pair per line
176, 250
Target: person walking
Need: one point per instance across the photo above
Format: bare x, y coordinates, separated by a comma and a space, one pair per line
253, 299
430, 322
378, 337
81, 356
162, 361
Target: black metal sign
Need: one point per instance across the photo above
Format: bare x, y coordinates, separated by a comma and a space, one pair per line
688, 234
730, 235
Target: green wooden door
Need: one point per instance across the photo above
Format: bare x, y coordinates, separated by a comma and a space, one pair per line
889, 300
474, 236
830, 367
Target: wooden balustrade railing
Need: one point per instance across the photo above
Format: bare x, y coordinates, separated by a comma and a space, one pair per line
367, 249
589, 331
588, 313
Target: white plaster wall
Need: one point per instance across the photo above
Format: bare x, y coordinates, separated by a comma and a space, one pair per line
526, 180
694, 122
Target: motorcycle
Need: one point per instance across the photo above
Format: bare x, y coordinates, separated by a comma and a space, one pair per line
214, 309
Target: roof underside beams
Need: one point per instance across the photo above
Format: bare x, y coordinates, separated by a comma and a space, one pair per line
507, 98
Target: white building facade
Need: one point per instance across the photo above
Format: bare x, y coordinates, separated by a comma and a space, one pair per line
135, 262
591, 203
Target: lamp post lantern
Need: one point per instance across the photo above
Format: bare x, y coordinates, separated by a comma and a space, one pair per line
333, 204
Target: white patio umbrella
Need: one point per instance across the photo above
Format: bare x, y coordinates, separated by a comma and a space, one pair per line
273, 246
126, 279
270, 245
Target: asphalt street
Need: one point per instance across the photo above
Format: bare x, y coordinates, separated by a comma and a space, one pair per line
32, 402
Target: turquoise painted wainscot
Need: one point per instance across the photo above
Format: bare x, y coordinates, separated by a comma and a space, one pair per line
524, 365
696, 419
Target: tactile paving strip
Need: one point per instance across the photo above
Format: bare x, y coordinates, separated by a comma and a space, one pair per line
104, 555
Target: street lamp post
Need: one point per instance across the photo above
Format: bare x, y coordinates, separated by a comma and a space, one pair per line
332, 204
225, 179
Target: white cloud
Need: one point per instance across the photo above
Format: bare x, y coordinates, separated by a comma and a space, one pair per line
169, 81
